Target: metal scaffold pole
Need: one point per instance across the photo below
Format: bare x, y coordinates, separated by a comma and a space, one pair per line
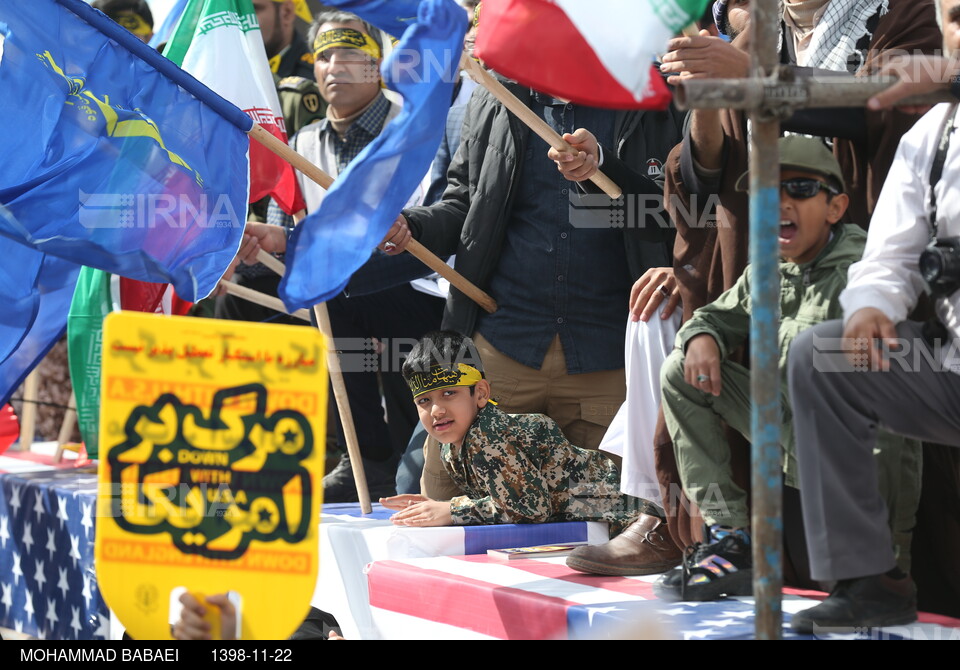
767, 523
769, 94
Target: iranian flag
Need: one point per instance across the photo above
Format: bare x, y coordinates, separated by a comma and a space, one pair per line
97, 294
594, 52
219, 43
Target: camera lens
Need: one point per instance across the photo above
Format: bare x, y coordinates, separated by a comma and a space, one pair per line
940, 267
931, 264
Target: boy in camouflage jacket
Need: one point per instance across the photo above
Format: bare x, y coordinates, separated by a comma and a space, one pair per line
513, 468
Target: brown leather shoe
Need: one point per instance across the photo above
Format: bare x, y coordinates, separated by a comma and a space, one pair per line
642, 549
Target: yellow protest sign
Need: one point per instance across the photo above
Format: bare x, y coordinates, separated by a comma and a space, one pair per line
211, 457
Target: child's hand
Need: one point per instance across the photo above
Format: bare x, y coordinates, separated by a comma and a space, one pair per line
701, 367
424, 514
402, 502
193, 625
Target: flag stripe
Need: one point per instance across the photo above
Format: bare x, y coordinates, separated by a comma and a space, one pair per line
638, 588
477, 541
618, 56
464, 602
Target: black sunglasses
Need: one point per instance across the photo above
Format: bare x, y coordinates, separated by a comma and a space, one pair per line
802, 188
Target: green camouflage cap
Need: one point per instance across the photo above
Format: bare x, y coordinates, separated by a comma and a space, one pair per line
805, 154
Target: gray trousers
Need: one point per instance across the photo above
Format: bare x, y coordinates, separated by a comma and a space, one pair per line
837, 412
693, 419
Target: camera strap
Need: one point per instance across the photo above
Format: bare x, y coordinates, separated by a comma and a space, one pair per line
939, 159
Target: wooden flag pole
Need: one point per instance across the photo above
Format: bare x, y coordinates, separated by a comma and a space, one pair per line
283, 150
28, 416
66, 427
333, 364
272, 262
325, 181
339, 388
535, 123
435, 263
343, 408
262, 299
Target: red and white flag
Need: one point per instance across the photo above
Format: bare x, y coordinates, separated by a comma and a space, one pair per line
219, 43
141, 296
598, 52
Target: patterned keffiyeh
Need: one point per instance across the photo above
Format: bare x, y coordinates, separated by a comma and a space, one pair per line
843, 25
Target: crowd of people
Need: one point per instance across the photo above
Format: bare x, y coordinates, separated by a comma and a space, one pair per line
514, 404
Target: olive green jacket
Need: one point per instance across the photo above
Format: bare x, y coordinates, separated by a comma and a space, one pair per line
809, 294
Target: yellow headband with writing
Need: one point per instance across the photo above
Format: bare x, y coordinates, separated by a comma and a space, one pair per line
301, 8
135, 24
345, 38
440, 377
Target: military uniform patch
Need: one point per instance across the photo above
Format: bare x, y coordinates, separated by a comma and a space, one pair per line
300, 101
293, 83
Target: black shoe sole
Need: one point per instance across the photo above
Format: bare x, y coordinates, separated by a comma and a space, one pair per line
805, 626
739, 583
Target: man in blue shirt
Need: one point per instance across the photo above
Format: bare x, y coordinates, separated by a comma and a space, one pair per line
562, 282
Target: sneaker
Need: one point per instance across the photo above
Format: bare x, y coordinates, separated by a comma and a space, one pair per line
643, 548
339, 487
867, 602
711, 571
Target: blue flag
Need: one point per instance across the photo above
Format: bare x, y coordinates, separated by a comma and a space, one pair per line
394, 17
18, 274
112, 157
52, 285
330, 244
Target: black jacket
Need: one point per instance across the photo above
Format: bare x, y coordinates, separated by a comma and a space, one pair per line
471, 218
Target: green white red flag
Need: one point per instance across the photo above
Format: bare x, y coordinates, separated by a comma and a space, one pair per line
219, 42
598, 52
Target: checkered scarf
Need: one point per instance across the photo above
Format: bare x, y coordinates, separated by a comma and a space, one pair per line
843, 25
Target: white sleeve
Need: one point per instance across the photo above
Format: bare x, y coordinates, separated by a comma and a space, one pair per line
888, 276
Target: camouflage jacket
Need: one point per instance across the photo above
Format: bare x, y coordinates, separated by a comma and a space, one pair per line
519, 468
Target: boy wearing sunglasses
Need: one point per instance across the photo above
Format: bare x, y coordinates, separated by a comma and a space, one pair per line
701, 387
